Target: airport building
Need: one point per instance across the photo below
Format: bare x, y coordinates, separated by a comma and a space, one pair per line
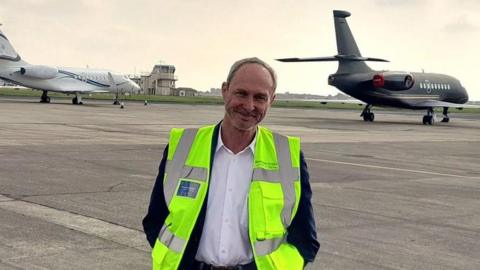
161, 81
184, 92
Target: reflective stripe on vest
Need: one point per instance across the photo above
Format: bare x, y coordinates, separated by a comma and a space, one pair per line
175, 168
267, 246
170, 240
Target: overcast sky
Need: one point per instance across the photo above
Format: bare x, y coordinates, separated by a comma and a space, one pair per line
202, 38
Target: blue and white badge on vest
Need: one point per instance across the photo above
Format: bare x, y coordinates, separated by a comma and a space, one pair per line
188, 189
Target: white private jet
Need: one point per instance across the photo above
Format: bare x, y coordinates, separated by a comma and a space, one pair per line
74, 81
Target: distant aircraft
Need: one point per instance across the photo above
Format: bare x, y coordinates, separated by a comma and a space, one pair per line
411, 90
74, 81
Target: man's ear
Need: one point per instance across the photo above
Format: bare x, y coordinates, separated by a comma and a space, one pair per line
273, 98
224, 88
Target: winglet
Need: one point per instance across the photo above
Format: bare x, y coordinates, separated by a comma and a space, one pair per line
111, 80
341, 13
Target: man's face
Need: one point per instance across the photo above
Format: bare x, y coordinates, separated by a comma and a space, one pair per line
248, 96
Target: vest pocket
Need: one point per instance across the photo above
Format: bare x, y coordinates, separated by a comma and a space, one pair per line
267, 202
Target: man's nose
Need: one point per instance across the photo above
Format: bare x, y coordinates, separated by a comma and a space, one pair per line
249, 104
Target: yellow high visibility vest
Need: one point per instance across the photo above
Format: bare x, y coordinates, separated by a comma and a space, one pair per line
273, 197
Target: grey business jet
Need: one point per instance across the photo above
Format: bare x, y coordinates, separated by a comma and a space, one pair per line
411, 90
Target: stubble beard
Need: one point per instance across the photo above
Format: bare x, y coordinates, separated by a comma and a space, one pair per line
236, 115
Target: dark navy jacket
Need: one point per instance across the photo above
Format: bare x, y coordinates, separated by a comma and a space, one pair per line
301, 233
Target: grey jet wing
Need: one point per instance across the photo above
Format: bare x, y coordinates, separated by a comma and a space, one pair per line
438, 103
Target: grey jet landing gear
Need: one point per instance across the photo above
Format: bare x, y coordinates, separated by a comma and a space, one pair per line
77, 100
368, 116
445, 119
429, 118
45, 98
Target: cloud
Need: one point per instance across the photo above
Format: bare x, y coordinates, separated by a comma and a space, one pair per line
388, 3
461, 25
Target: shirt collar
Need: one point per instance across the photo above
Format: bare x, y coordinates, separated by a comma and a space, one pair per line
220, 142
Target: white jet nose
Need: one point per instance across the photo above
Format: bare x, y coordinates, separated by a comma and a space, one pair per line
134, 86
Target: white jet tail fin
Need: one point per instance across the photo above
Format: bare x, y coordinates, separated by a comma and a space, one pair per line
8, 55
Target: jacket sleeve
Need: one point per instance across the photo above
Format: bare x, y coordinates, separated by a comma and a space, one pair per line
157, 210
302, 232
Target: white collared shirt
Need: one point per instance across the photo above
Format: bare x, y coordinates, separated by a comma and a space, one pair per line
224, 240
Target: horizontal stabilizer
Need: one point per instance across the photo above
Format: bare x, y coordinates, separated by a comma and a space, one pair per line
374, 59
332, 58
313, 59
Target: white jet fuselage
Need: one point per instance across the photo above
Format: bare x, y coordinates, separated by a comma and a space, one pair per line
72, 80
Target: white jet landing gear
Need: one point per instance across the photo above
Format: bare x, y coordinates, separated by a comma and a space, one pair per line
445, 119
45, 98
368, 116
429, 118
77, 100
116, 102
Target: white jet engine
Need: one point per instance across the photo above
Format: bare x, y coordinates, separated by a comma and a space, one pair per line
39, 72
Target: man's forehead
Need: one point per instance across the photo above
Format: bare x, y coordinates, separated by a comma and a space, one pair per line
252, 72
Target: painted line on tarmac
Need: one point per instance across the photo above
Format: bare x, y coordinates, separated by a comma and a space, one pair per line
392, 168
91, 226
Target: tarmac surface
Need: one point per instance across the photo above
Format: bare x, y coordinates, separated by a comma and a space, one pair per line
75, 183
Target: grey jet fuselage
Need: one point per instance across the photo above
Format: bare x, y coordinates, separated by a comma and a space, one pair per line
427, 86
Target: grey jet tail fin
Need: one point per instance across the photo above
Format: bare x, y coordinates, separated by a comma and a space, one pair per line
346, 45
349, 58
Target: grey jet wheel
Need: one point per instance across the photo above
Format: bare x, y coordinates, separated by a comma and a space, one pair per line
428, 119
368, 117
431, 120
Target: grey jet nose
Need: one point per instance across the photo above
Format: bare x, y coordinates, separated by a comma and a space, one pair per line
465, 95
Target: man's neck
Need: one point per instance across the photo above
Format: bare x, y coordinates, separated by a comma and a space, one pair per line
235, 139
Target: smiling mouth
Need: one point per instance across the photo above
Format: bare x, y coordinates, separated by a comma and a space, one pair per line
245, 117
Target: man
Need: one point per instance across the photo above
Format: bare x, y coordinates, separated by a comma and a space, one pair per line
234, 195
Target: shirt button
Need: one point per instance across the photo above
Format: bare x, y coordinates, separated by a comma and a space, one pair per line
223, 251
229, 190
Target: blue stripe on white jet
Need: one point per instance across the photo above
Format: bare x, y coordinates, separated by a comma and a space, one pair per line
76, 76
